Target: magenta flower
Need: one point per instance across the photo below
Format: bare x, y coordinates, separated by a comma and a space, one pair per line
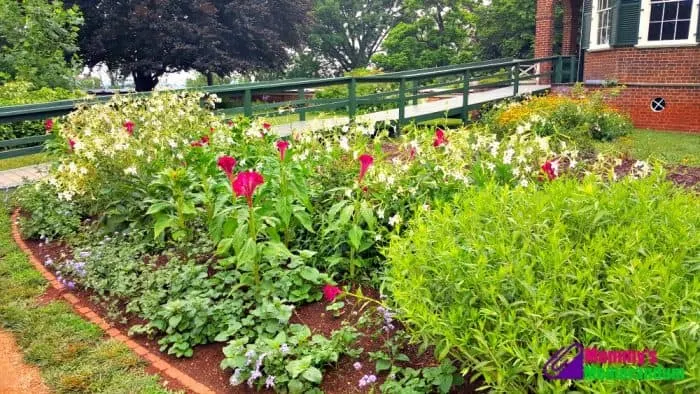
440, 138
226, 163
282, 146
267, 126
550, 169
365, 162
246, 183
129, 126
330, 292
48, 125
71, 144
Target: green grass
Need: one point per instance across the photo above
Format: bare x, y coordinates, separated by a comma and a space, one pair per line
23, 161
670, 147
73, 355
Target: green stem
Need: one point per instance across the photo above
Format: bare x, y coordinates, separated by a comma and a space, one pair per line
352, 249
253, 235
283, 187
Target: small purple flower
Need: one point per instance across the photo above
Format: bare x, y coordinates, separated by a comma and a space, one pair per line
71, 285
253, 377
84, 254
270, 382
357, 366
249, 357
235, 379
366, 380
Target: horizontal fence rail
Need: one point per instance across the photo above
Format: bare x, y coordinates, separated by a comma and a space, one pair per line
297, 100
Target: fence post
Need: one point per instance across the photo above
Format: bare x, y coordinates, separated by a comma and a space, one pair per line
516, 79
352, 99
414, 85
402, 105
302, 97
573, 76
248, 103
465, 99
558, 70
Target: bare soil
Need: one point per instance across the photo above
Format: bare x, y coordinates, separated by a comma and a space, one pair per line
16, 377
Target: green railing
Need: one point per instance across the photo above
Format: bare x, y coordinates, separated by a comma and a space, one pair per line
294, 100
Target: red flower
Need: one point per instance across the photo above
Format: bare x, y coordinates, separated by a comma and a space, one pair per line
330, 292
129, 126
551, 169
365, 162
440, 138
246, 183
71, 144
413, 153
48, 125
202, 141
282, 146
267, 126
230, 123
226, 163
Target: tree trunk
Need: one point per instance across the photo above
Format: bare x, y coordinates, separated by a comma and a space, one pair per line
144, 81
210, 78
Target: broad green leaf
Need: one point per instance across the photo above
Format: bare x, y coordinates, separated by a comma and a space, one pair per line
313, 375
355, 237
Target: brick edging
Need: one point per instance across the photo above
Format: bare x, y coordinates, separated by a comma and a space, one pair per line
164, 368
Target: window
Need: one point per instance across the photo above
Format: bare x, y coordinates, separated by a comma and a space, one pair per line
668, 22
604, 17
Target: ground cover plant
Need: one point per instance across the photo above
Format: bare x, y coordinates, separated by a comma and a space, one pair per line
194, 229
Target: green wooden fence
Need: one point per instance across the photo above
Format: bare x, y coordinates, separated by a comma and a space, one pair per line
394, 90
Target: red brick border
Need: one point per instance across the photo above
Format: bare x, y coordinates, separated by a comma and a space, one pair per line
165, 369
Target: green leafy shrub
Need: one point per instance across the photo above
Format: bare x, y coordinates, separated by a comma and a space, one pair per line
503, 276
44, 215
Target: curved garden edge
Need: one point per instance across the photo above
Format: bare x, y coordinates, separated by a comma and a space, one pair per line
165, 369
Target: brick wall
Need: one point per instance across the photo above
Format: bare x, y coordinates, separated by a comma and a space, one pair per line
682, 111
648, 65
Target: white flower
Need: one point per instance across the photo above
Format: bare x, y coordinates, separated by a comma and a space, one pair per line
139, 152
508, 156
380, 213
130, 171
524, 182
378, 237
395, 220
573, 163
172, 143
344, 145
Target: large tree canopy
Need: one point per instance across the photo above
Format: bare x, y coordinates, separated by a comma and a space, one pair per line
37, 42
506, 28
146, 38
347, 33
436, 33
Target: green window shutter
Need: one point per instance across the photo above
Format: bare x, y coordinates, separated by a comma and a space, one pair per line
586, 25
626, 22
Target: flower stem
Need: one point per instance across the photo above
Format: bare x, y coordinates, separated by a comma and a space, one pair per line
252, 233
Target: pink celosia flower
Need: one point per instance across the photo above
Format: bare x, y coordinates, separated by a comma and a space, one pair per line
551, 169
48, 125
412, 154
365, 162
440, 138
71, 144
267, 126
282, 146
129, 126
201, 142
246, 183
226, 163
330, 292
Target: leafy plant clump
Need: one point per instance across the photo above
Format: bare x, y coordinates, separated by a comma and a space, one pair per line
580, 118
502, 276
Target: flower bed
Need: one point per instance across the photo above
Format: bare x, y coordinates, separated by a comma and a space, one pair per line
194, 230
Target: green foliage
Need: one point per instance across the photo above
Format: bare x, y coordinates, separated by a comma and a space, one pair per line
502, 276
72, 354
36, 38
44, 215
438, 379
346, 33
670, 147
438, 37
505, 28
293, 358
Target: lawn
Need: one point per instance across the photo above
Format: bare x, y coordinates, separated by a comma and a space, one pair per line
670, 147
23, 161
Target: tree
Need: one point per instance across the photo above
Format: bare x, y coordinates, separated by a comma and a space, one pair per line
38, 40
438, 34
147, 38
506, 28
347, 33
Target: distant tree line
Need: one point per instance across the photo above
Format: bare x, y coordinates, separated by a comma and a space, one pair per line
46, 41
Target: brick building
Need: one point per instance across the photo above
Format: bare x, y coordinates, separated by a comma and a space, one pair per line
650, 46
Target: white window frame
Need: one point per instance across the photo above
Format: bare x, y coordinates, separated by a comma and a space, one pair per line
595, 25
644, 28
